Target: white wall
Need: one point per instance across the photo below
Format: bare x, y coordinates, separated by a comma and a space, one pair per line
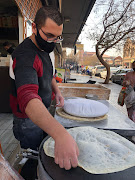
20, 24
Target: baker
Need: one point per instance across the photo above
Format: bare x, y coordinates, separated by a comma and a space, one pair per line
32, 88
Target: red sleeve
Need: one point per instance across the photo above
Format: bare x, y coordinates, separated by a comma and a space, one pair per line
25, 93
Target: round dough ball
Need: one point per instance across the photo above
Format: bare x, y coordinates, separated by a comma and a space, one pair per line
85, 107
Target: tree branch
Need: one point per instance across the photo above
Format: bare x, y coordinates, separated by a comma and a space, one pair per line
124, 12
130, 30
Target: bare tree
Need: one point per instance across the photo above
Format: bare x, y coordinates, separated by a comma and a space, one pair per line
117, 23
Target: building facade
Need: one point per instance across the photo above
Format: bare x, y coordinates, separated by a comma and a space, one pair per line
128, 52
118, 61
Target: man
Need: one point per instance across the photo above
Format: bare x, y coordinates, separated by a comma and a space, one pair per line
33, 86
8, 47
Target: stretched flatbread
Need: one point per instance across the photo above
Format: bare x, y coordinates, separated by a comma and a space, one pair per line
100, 151
85, 107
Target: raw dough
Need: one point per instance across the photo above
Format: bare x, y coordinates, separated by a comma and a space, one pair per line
62, 113
85, 107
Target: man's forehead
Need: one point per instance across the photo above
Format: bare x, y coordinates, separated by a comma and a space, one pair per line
49, 22
52, 27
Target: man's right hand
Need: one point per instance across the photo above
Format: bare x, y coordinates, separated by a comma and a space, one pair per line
66, 151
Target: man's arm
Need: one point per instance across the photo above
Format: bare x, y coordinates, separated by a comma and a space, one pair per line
66, 150
58, 95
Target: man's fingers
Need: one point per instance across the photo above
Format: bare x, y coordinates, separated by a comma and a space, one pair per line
58, 105
61, 163
74, 162
67, 164
56, 160
57, 100
66, 152
61, 102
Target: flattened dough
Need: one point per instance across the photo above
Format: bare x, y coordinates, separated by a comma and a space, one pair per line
85, 107
100, 151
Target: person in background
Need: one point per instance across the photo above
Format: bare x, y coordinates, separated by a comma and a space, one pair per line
70, 67
129, 82
77, 69
8, 47
88, 71
33, 83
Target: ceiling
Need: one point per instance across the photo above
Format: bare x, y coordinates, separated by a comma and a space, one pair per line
75, 13
8, 8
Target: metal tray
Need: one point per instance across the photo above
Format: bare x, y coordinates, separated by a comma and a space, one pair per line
48, 170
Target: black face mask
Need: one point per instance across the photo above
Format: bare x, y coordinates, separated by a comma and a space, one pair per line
44, 45
134, 69
10, 50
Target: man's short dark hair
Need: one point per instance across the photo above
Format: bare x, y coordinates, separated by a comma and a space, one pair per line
48, 12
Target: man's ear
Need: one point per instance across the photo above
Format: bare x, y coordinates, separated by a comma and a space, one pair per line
34, 29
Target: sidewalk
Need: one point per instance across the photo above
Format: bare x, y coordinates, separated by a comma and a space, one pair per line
115, 88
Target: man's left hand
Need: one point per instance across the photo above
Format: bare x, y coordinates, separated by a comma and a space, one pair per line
59, 100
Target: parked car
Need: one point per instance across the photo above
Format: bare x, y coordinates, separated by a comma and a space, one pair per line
97, 69
119, 76
112, 71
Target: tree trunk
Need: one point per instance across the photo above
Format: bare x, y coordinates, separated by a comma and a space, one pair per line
105, 64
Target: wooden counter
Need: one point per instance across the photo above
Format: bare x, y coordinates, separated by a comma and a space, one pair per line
81, 90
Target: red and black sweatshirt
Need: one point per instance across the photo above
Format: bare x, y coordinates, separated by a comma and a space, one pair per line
33, 72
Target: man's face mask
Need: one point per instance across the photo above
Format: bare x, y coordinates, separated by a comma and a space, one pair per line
44, 45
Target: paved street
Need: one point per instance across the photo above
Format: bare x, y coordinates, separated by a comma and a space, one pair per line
115, 88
